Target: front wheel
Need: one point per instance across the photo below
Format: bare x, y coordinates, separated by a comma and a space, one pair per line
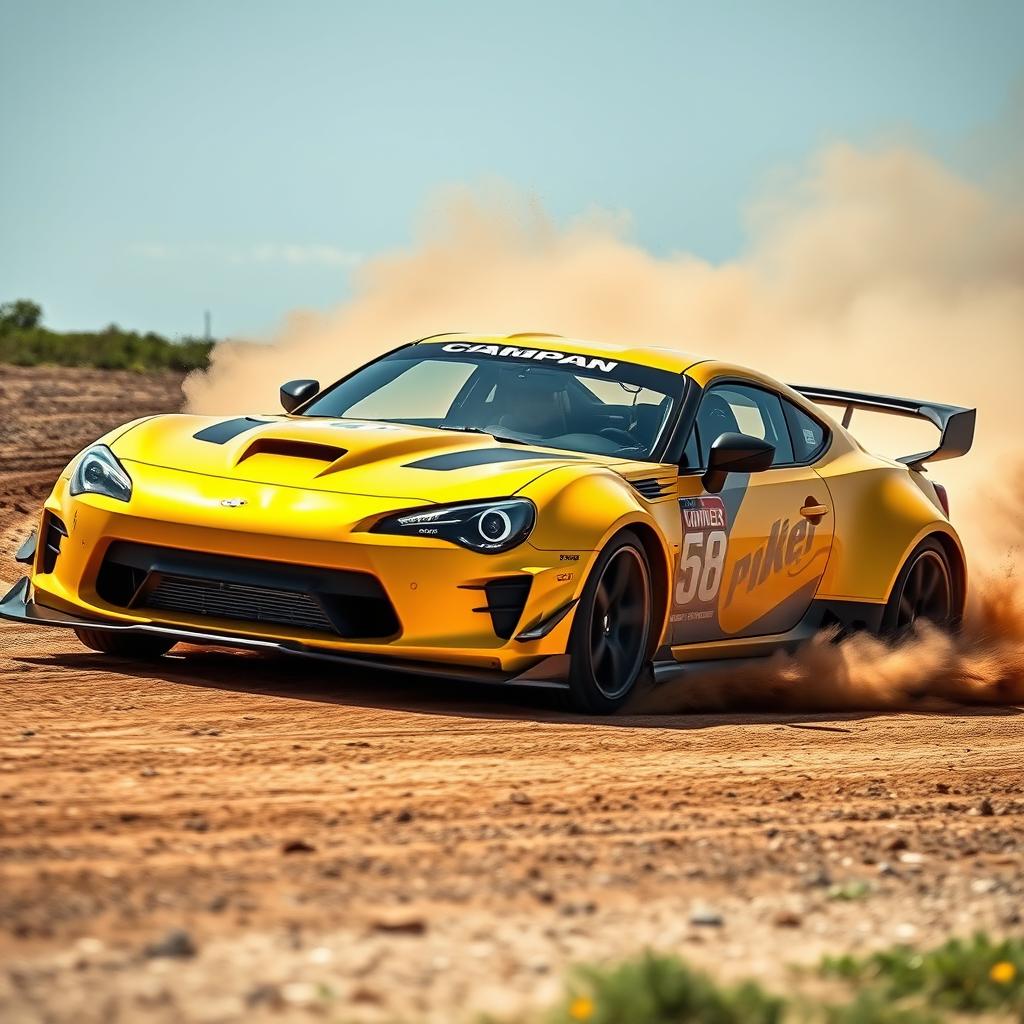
610, 639
124, 645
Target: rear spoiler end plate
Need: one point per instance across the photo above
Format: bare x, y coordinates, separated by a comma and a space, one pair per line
955, 423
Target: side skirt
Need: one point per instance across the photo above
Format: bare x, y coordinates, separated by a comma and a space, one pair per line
845, 617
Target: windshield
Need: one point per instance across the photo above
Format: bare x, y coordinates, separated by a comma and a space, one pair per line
528, 396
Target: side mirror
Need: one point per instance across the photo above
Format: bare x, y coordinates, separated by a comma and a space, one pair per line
296, 392
736, 453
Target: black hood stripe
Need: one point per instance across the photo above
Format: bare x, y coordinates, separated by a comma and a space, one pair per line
219, 433
481, 457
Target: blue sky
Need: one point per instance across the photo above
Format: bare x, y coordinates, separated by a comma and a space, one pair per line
163, 158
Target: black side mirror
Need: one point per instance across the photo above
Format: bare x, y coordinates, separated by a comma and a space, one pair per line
736, 453
296, 392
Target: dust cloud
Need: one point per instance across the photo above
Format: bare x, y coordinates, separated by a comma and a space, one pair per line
882, 270
875, 269
928, 671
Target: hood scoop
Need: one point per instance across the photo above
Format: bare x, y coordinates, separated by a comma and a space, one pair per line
313, 451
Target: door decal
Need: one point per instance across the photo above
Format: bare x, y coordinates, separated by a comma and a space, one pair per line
701, 560
785, 550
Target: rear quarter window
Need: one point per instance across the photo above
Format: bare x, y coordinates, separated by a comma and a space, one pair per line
809, 436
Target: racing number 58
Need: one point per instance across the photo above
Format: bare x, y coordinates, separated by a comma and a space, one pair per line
700, 567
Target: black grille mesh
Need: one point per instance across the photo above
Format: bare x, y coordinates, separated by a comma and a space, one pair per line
237, 601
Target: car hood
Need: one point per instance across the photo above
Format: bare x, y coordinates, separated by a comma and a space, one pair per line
343, 456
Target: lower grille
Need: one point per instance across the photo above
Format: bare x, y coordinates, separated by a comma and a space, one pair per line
209, 598
352, 605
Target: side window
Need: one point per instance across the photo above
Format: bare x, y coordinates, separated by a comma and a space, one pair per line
741, 409
809, 436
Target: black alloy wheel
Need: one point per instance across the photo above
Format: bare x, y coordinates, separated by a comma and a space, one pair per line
611, 633
923, 591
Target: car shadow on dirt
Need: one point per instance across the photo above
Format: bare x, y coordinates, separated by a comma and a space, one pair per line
280, 676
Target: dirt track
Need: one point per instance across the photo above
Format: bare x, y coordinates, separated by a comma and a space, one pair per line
377, 847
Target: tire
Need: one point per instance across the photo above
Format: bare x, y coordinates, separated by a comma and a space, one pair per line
609, 646
924, 590
124, 645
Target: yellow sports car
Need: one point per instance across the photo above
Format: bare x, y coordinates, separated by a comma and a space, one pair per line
516, 509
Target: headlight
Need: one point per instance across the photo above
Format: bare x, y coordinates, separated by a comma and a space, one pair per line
487, 526
99, 472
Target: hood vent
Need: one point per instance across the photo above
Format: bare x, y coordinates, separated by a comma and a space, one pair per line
294, 449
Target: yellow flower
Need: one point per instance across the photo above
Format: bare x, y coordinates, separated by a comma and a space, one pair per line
1003, 972
581, 1008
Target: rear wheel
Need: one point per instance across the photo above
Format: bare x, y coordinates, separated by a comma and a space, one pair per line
924, 589
610, 638
124, 645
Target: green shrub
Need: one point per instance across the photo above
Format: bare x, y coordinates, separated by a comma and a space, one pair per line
971, 975
869, 1007
112, 349
663, 990
895, 986
25, 342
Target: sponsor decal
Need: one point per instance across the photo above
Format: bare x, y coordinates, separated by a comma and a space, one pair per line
234, 502
307, 422
702, 559
568, 558
564, 577
540, 354
364, 425
783, 551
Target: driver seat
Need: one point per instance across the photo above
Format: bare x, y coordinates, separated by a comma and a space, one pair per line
714, 418
532, 406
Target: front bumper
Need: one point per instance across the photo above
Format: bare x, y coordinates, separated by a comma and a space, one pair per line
437, 589
18, 606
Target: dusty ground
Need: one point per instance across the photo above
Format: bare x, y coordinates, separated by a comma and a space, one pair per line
314, 844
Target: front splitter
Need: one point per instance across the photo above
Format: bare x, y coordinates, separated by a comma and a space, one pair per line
550, 673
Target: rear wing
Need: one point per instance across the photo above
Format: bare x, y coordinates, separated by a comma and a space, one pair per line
955, 423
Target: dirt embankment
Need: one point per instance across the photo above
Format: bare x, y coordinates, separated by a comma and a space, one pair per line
50, 413
226, 837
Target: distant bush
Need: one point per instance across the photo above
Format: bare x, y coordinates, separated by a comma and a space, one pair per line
25, 342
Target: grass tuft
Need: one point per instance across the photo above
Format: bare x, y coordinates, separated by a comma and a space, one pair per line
978, 976
656, 989
973, 975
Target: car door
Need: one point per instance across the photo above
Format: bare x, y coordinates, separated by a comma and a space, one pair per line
753, 553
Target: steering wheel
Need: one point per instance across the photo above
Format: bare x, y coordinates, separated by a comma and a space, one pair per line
619, 436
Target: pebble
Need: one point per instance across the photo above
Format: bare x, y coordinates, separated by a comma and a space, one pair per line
398, 925
706, 917
298, 846
787, 919
176, 943
299, 993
